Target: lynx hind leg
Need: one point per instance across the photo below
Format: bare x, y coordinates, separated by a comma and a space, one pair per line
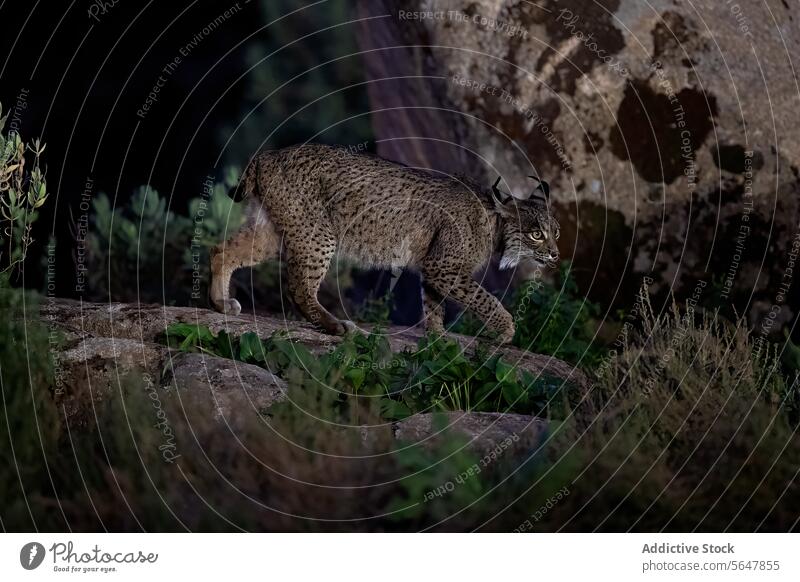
256, 242
462, 288
309, 260
432, 309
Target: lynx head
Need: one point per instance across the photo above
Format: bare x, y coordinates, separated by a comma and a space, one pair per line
530, 231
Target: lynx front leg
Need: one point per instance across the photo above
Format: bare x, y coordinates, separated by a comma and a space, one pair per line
308, 264
469, 293
250, 246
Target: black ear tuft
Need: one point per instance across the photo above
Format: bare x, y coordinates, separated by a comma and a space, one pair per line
543, 187
499, 195
494, 187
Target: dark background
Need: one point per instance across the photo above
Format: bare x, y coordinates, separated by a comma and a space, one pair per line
86, 79
271, 74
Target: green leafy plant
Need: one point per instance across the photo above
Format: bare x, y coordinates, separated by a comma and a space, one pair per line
550, 318
29, 423
22, 192
376, 310
432, 490
437, 376
555, 320
444, 377
331, 41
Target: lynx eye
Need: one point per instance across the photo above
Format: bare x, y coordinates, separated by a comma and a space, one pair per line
536, 235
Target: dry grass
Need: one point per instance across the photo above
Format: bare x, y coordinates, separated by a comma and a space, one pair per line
686, 428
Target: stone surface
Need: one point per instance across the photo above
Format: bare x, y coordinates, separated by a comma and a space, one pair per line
638, 113
95, 367
146, 323
112, 349
489, 434
228, 388
98, 368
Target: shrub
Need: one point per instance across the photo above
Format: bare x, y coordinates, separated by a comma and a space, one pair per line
550, 318
705, 445
555, 320
376, 310
302, 471
22, 192
129, 245
686, 428
29, 424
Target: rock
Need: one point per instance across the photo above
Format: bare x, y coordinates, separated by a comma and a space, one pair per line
147, 323
666, 129
491, 435
98, 368
229, 388
113, 349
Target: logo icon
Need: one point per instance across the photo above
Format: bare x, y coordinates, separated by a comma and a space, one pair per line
31, 555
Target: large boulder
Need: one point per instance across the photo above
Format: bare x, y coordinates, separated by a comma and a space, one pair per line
668, 130
230, 390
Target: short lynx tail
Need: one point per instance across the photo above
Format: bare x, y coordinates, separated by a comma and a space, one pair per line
246, 185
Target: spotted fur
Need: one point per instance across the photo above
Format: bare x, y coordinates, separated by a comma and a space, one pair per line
309, 202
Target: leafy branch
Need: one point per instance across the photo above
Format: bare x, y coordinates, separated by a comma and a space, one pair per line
22, 192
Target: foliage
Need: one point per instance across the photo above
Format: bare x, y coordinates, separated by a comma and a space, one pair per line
308, 58
698, 439
301, 472
444, 377
687, 419
376, 310
22, 192
686, 427
29, 426
555, 320
550, 319
424, 478
438, 375
691, 353
129, 244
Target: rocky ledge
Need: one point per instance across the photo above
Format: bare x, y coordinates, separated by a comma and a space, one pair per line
104, 342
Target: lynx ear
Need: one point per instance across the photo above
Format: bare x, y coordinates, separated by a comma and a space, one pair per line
541, 192
499, 195
500, 199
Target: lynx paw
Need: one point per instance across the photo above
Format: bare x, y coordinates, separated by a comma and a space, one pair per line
437, 330
228, 307
344, 326
340, 327
505, 337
